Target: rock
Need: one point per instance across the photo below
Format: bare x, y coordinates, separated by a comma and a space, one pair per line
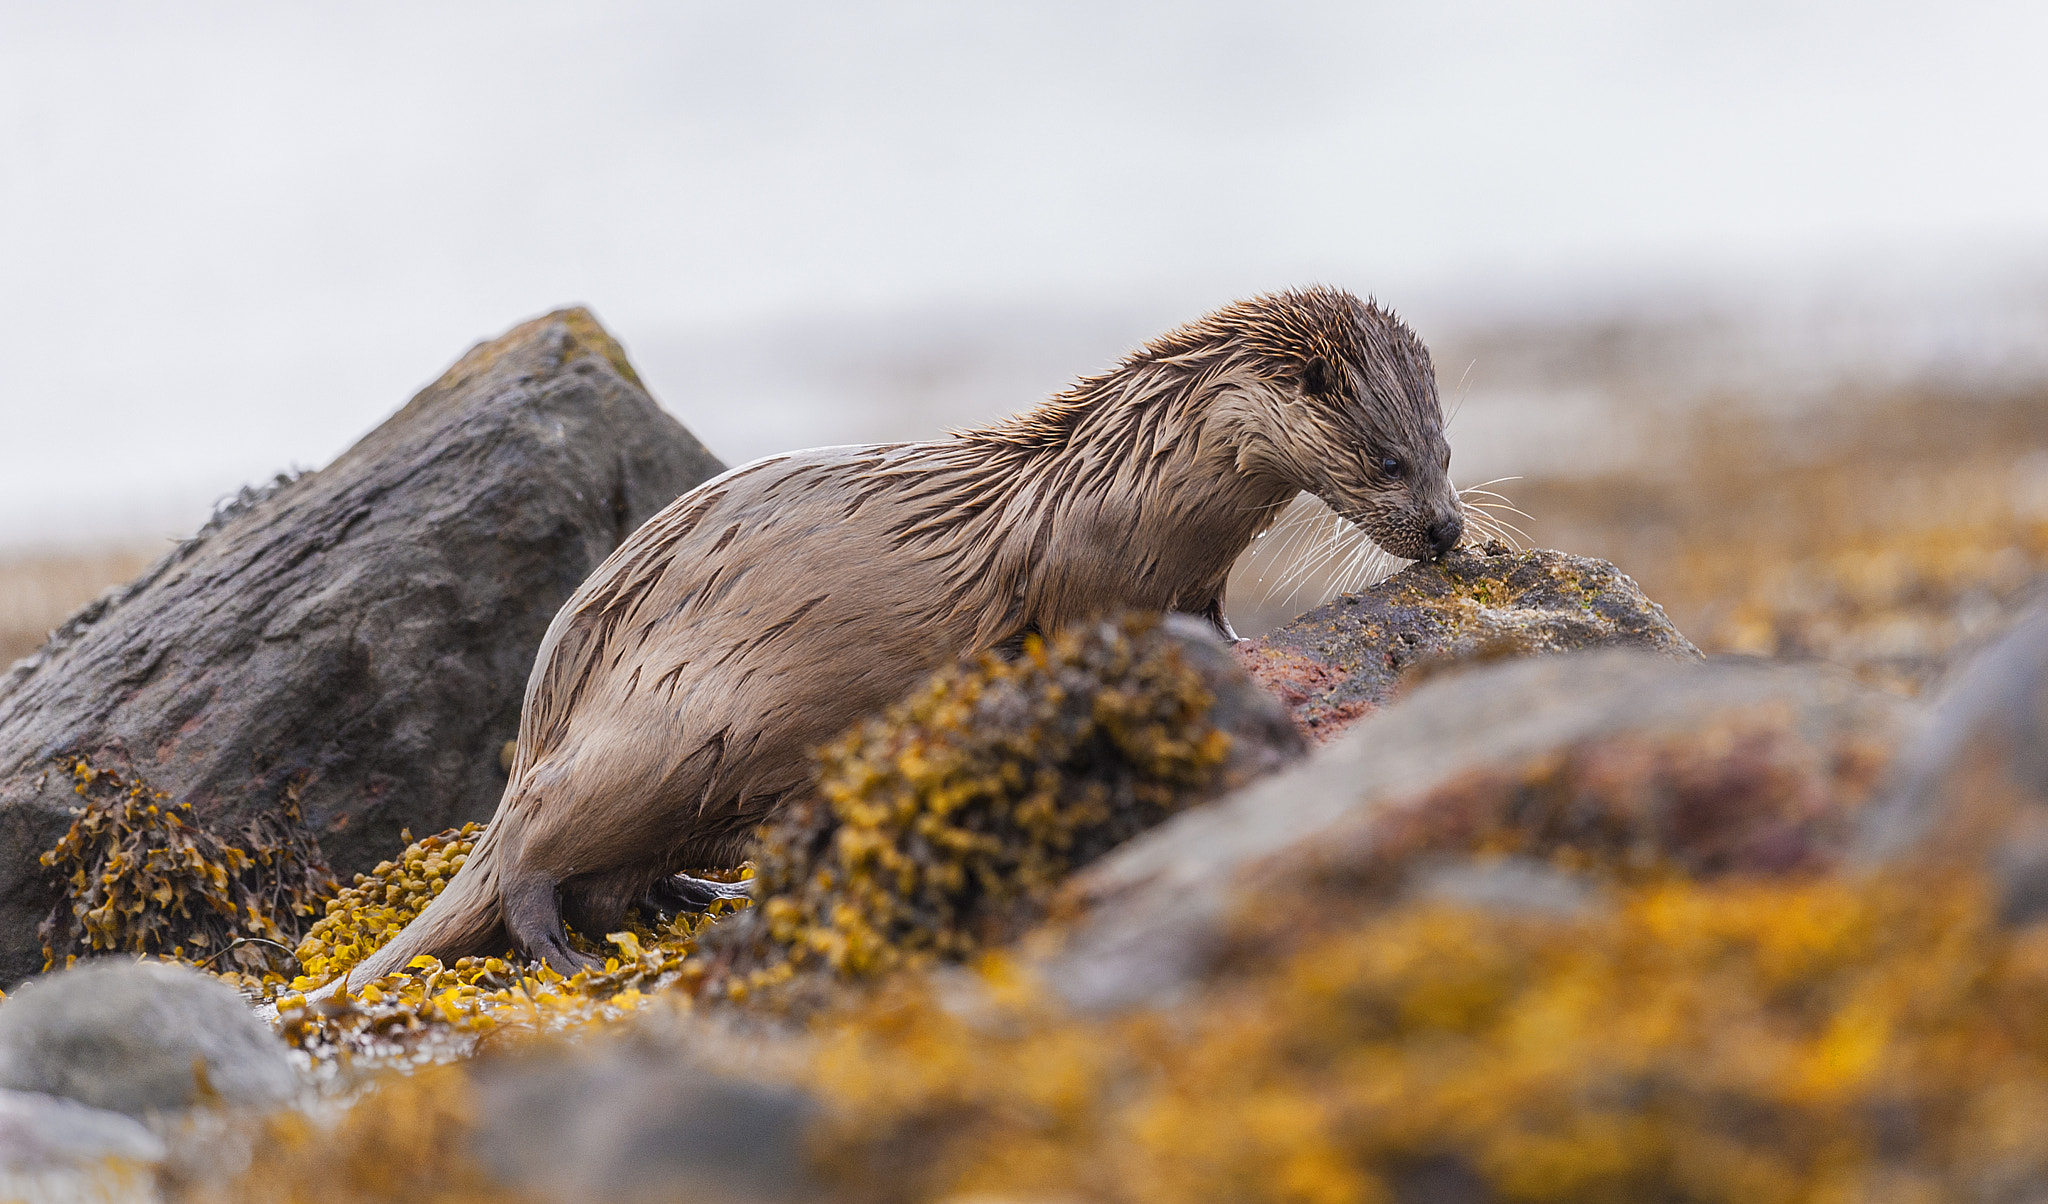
637, 1119
49, 1132
1972, 783
947, 823
1340, 662
139, 1038
1513, 885
362, 633
1728, 766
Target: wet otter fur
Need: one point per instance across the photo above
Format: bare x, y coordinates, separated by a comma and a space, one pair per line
678, 694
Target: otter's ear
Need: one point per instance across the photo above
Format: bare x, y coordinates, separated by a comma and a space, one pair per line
1315, 376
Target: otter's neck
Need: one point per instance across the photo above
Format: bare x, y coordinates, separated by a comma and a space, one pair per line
1125, 494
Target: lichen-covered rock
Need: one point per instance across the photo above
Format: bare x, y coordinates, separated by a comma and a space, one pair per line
1640, 764
1340, 662
361, 634
139, 1038
1742, 1039
945, 824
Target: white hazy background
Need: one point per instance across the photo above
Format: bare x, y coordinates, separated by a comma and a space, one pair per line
233, 237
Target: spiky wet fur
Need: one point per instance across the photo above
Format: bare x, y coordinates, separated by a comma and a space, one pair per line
678, 694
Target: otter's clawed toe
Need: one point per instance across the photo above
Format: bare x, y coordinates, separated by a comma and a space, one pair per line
680, 893
563, 957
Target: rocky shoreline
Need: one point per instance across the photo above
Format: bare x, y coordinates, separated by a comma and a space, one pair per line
1479, 884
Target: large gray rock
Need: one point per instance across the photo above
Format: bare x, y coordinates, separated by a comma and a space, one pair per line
364, 631
1727, 765
140, 1038
1342, 661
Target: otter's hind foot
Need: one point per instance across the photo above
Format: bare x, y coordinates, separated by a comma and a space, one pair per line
533, 919
693, 896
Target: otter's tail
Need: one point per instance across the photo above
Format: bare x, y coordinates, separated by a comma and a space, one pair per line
466, 918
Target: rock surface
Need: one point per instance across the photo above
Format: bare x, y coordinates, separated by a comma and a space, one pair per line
947, 823
139, 1038
1549, 745
48, 1132
362, 633
638, 1119
1342, 661
1973, 781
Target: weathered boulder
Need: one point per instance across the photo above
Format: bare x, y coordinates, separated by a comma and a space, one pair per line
140, 1038
360, 635
1728, 766
1342, 661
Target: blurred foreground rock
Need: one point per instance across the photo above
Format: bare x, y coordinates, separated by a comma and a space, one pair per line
48, 1132
1340, 662
638, 1118
360, 635
139, 1038
1973, 782
1628, 758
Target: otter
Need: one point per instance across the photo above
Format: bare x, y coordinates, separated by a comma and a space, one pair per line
679, 693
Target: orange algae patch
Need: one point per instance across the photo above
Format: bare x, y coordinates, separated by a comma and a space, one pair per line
1731, 1041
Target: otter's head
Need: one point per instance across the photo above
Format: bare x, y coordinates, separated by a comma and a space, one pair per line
1341, 402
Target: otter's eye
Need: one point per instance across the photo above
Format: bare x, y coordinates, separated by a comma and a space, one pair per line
1390, 466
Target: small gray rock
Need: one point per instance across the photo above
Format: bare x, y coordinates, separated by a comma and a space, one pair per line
139, 1037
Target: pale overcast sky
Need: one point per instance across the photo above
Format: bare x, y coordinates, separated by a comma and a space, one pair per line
237, 235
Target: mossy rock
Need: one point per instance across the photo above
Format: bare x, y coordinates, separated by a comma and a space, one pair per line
1342, 661
946, 824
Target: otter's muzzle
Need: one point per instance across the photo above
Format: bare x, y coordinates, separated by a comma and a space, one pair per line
1444, 534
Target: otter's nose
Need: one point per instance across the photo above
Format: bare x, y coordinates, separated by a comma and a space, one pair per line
1444, 534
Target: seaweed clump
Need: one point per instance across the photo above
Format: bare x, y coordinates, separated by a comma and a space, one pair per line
946, 823
140, 874
442, 1008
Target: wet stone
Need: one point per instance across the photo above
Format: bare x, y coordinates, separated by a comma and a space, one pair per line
1345, 660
